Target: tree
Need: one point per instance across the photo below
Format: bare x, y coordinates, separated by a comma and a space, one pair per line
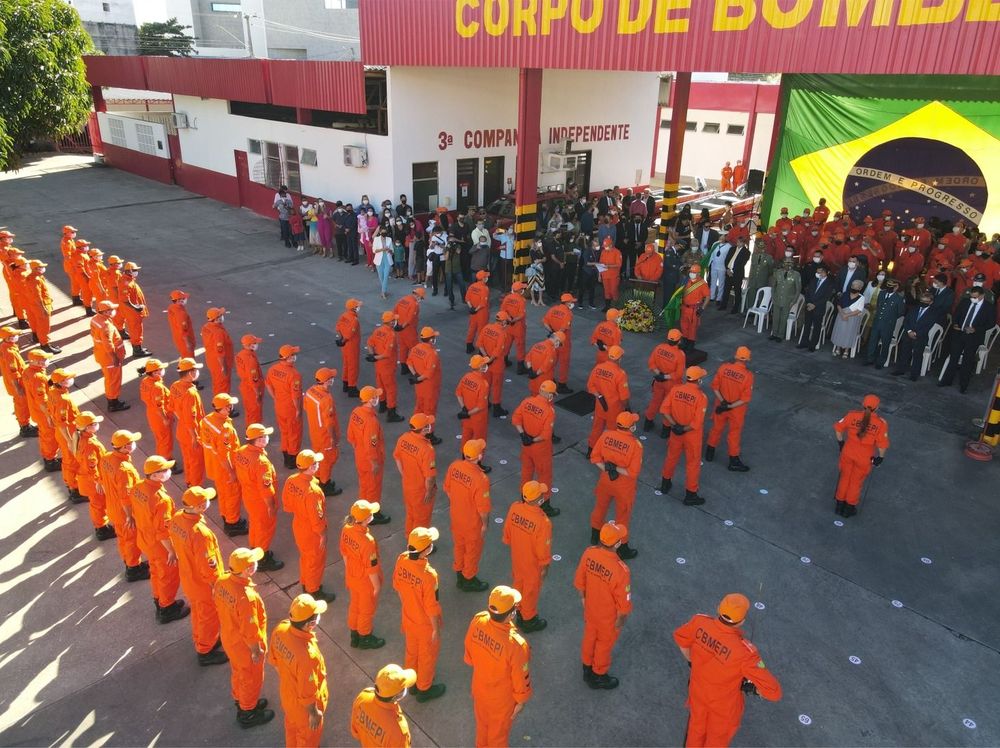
165, 38
42, 75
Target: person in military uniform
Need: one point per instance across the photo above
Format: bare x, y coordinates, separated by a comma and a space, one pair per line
761, 269
891, 306
786, 285
978, 281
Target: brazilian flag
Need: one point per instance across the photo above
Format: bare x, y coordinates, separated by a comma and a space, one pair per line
915, 145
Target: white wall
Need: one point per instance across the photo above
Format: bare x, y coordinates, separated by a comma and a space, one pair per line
159, 146
705, 153
119, 11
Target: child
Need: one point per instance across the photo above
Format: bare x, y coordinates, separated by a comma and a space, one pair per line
297, 226
399, 256
535, 278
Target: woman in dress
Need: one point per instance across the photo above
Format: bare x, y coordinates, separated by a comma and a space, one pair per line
382, 257
324, 224
848, 322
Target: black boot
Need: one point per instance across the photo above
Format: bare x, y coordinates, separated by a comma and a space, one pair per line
137, 573
530, 625
550, 511
124, 333
77, 301
625, 553
562, 389
139, 352
28, 430
321, 594
486, 468
53, 466
235, 529
105, 533
270, 563
116, 405
709, 453
850, 510
75, 497
253, 717
521, 368
393, 416
595, 536
434, 438
469, 348
737, 466
353, 392
473, 585
665, 485
691, 498
355, 638
382, 407
431, 692
839, 508
289, 460
215, 657
89, 312
499, 411
404, 369
51, 348
330, 488
605, 682
647, 424
177, 610
506, 362
370, 641
344, 387
588, 674
380, 519
664, 432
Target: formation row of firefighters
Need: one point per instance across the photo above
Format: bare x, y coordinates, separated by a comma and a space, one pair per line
227, 616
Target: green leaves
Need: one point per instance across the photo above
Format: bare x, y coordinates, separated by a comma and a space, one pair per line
166, 39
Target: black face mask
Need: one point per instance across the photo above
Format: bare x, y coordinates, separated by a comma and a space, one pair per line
925, 303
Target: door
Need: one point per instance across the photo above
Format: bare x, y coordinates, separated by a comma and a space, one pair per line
492, 178
467, 188
581, 176
242, 176
425, 194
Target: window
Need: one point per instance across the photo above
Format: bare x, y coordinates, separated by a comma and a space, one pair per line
117, 128
308, 157
734, 129
374, 122
253, 146
711, 127
425, 186
106, 7
340, 4
227, 8
146, 139
691, 126
665, 124
262, 111
280, 165
290, 166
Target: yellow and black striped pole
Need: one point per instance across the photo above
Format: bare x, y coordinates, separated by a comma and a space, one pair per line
529, 138
982, 448
525, 224
680, 92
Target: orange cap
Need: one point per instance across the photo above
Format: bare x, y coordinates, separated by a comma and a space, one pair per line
612, 532
502, 316
80, 243
362, 510
250, 339
307, 458
473, 448
477, 362
288, 350
615, 352
870, 401
482, 275
69, 229
156, 463
188, 364
177, 295
214, 313
60, 375
428, 332
695, 373
368, 392
548, 386
304, 607
421, 537
224, 399
734, 607
612, 314
533, 490
257, 430
567, 297
503, 599
123, 436
674, 334
742, 353
131, 266
113, 260
154, 365
87, 418
560, 336
37, 354
392, 679
325, 374
352, 304
518, 286
241, 558
95, 252
10, 332
626, 419
196, 496
419, 291
420, 421
105, 306
696, 268
388, 315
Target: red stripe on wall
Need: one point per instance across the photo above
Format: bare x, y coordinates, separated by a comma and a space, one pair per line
151, 167
335, 86
221, 187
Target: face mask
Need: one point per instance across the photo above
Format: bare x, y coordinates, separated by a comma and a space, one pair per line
852, 265
817, 260
977, 284
374, 402
69, 382
881, 277
692, 276
936, 286
956, 230
784, 233
815, 233
788, 254
166, 474
569, 306
911, 250
920, 225
925, 303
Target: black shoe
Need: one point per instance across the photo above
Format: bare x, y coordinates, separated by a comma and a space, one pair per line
914, 377
75, 497
664, 432
709, 453
486, 468
28, 430
434, 438
270, 563
77, 301
330, 489
344, 387
530, 625
124, 333
404, 370
116, 406
562, 389
353, 392
942, 383
235, 529
370, 641
380, 519
605, 682
393, 416
595, 536
105, 533
647, 424
321, 594
137, 573
177, 610
506, 362
89, 312
51, 348
850, 510
590, 451
469, 348
473, 585
691, 498
896, 373
774, 337
737, 466
382, 407
498, 411
588, 673
52, 466
802, 345
139, 352
521, 368
962, 388
550, 511
665, 485
215, 657
289, 460
253, 717
625, 552
432, 692
839, 509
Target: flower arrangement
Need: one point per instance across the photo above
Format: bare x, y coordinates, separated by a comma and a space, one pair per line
637, 312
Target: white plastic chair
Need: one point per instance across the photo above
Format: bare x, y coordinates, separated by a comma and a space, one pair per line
828, 316
793, 316
760, 309
857, 341
933, 348
894, 344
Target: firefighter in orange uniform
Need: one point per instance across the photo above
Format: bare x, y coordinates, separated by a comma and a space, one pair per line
364, 432
468, 489
81, 277
295, 654
425, 375
493, 345
112, 275
604, 583
863, 438
694, 299
611, 258
251, 379
500, 659
303, 498
38, 305
62, 415
619, 456
382, 351
717, 684
189, 412
219, 438
559, 318
98, 274
258, 486
12, 369
739, 174
477, 298
733, 388
515, 305
528, 532
152, 509
649, 265
667, 362
219, 355
541, 361
416, 583
243, 621
608, 383
89, 453
473, 392
36, 391
362, 574
726, 183
377, 721
16, 274
683, 413
159, 410
284, 384
199, 563
349, 341
119, 476
181, 326
407, 312
109, 351
132, 303
324, 427
417, 466
534, 419
68, 247
606, 334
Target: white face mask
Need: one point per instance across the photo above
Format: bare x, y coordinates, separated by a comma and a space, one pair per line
880, 276
692, 276
68, 382
920, 225
374, 402
784, 233
166, 474
977, 284
788, 254
852, 265
956, 230
569, 305
911, 250
254, 346
817, 260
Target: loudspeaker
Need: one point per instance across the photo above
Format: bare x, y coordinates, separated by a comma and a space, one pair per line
755, 182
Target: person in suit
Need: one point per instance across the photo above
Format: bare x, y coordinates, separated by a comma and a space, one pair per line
736, 269
973, 319
817, 295
943, 297
704, 235
891, 306
916, 327
671, 277
854, 270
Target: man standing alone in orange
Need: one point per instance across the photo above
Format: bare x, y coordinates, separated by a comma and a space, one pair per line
684, 414
349, 341
560, 319
407, 312
425, 375
132, 302
417, 466
473, 392
611, 259
383, 352
362, 574
189, 412
733, 388
608, 383
694, 298
863, 439
284, 384
364, 432
218, 350
619, 455
68, 247
528, 532
109, 351
304, 499
181, 326
477, 298
324, 428
251, 379
667, 363
468, 489
258, 486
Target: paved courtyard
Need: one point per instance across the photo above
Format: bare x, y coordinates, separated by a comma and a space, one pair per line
883, 630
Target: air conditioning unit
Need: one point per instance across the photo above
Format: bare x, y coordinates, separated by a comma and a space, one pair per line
180, 120
561, 161
355, 156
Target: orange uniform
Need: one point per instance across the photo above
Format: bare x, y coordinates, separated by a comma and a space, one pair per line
98, 275
361, 563
721, 658
36, 391
611, 258
735, 382
686, 405
621, 448
189, 412
515, 305
81, 272
605, 335
219, 357
14, 273
414, 456
220, 441
349, 342
425, 363
295, 654
119, 476
858, 451
528, 532
200, 565
560, 319
474, 392
62, 416
258, 486
89, 452
251, 385
468, 490
477, 296
407, 312
243, 622
501, 676
68, 247
416, 582
285, 385
12, 369
492, 342
324, 428
109, 351
133, 306
382, 342
693, 299
536, 417
152, 509
649, 266
541, 360
303, 497
364, 432
608, 382
159, 413
378, 724
182, 330
668, 363
726, 183
38, 305
605, 583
